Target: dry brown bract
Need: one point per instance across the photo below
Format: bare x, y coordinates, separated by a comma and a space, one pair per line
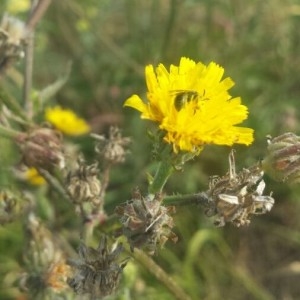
236, 196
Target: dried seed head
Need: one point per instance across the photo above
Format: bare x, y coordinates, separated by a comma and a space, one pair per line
84, 186
282, 161
44, 260
97, 271
12, 40
235, 196
112, 150
146, 223
41, 148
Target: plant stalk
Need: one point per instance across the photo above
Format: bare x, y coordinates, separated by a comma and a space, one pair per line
190, 199
165, 169
160, 274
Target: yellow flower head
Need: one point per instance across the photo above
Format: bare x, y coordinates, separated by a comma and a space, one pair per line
33, 177
66, 121
192, 105
17, 6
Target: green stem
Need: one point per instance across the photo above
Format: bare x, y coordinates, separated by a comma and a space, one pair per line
181, 200
8, 132
160, 274
87, 232
165, 169
11, 103
29, 51
54, 183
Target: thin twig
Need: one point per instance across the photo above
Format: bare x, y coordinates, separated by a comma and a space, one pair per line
37, 13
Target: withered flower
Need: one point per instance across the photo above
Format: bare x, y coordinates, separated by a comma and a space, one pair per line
146, 223
282, 161
41, 148
12, 40
97, 271
84, 186
12, 32
236, 196
112, 149
57, 275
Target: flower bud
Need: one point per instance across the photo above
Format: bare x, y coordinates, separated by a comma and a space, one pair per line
41, 148
146, 223
282, 161
84, 186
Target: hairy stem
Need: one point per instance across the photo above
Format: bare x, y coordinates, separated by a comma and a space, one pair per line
181, 200
165, 169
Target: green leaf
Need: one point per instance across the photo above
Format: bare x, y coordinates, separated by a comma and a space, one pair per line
51, 90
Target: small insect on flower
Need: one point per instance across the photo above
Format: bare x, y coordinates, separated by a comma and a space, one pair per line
183, 97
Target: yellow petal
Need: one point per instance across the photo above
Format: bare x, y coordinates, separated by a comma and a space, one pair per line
135, 102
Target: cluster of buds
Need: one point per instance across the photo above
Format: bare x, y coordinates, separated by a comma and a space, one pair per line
84, 187
112, 149
46, 267
12, 40
97, 271
41, 148
282, 161
236, 196
12, 206
146, 223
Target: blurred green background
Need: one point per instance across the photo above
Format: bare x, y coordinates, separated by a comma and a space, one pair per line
109, 43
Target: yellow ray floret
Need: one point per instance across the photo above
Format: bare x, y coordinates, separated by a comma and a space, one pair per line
191, 104
66, 121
